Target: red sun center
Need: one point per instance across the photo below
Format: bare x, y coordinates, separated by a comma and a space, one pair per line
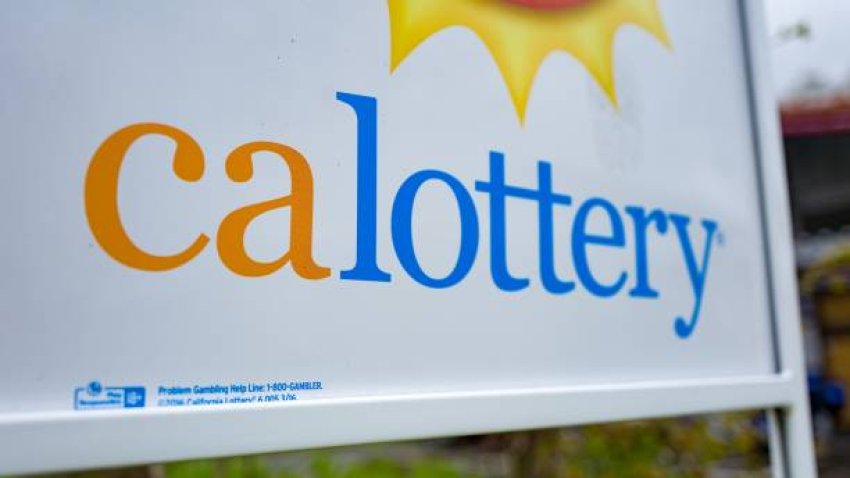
549, 4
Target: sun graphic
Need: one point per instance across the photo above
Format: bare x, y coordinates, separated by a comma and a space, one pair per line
521, 33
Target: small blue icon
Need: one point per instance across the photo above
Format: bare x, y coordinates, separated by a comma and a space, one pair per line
134, 397
95, 388
95, 396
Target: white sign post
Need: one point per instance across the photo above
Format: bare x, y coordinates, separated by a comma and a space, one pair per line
241, 228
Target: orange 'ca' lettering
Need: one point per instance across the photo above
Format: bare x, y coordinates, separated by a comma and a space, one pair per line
101, 195
101, 200
231, 233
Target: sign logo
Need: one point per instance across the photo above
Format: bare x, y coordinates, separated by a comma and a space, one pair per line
520, 34
95, 396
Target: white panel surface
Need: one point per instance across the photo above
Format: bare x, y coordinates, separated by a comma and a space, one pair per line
82, 331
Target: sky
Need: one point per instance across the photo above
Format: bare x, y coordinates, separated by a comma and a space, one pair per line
826, 53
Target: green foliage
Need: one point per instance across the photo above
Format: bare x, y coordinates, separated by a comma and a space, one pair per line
247, 467
684, 448
321, 466
436, 469
192, 469
324, 467
676, 448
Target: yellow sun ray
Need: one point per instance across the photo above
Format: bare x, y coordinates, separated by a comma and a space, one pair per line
519, 38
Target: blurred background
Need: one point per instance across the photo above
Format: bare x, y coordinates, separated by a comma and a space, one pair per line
810, 46
811, 66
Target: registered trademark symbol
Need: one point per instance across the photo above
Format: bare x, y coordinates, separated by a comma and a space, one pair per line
721, 238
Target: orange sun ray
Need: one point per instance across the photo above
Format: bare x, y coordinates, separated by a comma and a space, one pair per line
520, 34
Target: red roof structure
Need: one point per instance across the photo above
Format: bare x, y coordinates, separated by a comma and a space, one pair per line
814, 117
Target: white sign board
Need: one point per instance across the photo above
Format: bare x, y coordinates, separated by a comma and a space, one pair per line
235, 228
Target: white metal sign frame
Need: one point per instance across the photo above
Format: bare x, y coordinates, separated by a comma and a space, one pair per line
40, 442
